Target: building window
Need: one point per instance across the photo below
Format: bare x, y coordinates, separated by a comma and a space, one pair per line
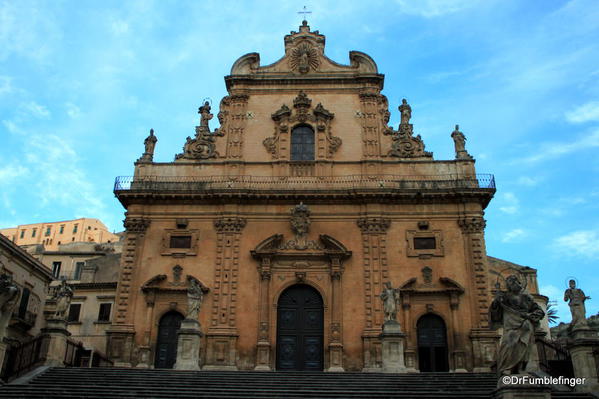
78, 270
425, 243
180, 242
75, 228
56, 269
33, 232
302, 143
61, 229
74, 311
22, 234
48, 231
104, 313
24, 303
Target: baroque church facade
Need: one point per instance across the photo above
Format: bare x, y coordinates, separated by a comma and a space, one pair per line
292, 216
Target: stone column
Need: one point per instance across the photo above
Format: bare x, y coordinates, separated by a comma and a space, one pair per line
233, 117
221, 337
583, 360
335, 341
188, 345
459, 358
392, 342
484, 341
56, 330
263, 345
374, 250
120, 335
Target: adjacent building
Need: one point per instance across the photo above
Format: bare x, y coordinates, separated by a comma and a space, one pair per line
53, 234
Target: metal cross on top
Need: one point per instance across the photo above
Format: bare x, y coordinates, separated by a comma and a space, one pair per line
304, 11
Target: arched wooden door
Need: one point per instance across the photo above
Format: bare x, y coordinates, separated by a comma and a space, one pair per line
432, 343
300, 329
166, 345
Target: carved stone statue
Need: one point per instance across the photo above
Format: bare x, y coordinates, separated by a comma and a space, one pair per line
149, 143
519, 315
62, 296
459, 141
576, 298
406, 112
9, 294
205, 115
390, 297
195, 295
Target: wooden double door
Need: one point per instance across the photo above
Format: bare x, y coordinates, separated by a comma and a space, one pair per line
166, 345
300, 315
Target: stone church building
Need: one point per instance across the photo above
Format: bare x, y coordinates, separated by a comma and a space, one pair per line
293, 215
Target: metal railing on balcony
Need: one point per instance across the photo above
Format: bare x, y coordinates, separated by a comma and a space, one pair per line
301, 183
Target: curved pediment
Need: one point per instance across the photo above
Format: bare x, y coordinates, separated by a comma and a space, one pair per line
304, 55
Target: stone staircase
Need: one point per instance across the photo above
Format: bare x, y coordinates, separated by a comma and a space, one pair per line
92, 383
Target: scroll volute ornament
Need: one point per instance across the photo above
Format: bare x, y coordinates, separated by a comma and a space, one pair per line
285, 118
405, 144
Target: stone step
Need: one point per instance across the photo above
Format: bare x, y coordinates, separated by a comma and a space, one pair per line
121, 383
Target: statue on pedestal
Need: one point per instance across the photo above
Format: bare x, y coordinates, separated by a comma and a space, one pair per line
459, 141
390, 297
519, 315
195, 295
576, 298
149, 144
9, 294
62, 296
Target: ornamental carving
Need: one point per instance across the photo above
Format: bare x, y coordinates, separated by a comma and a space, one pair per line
136, 225
373, 225
203, 145
229, 225
300, 225
318, 117
472, 225
303, 58
405, 144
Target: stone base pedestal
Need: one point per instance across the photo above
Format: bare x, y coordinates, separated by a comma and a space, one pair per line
335, 357
188, 345
484, 347
221, 349
583, 359
521, 391
119, 344
263, 356
3, 349
56, 330
392, 343
143, 358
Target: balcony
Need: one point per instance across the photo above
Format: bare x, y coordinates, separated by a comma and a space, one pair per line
127, 188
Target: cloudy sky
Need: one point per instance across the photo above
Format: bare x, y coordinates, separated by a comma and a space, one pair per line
82, 82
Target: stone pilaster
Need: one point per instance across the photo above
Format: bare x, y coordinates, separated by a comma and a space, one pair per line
336, 339
263, 345
120, 335
374, 250
373, 117
234, 115
221, 338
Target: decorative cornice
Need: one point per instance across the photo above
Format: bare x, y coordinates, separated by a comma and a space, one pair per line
373, 225
136, 225
229, 225
472, 225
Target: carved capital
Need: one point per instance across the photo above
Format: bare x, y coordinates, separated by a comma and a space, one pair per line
136, 225
472, 225
373, 225
229, 225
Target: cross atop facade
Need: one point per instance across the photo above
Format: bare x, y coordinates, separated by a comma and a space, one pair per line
304, 11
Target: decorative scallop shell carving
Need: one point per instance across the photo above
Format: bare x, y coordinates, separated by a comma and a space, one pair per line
304, 57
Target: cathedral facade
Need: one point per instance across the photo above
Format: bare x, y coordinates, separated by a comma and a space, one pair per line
292, 216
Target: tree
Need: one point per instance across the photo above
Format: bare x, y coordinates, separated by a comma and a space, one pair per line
552, 316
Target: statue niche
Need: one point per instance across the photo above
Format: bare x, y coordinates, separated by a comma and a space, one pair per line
285, 119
